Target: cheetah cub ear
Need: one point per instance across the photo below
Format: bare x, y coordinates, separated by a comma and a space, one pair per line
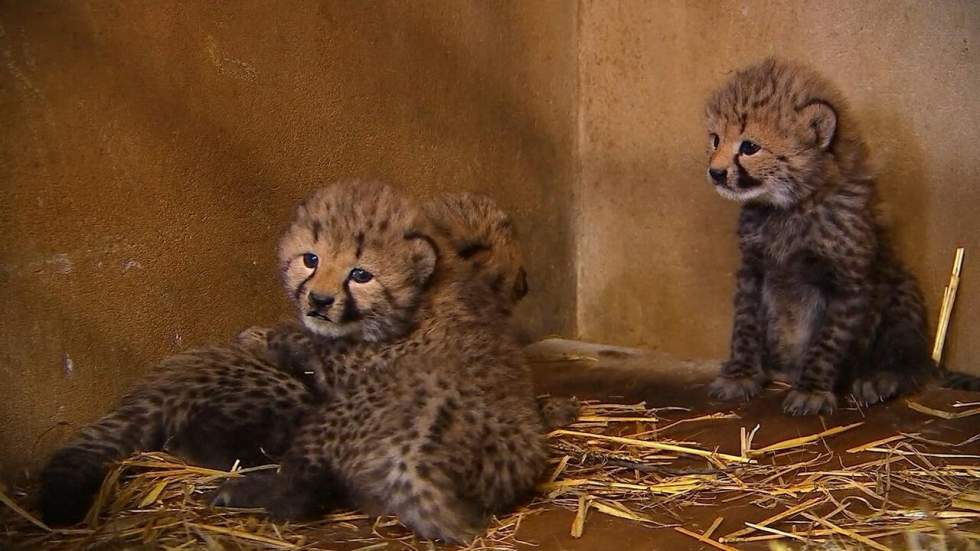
821, 119
520, 288
425, 256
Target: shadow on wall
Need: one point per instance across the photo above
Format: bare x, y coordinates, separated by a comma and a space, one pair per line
382, 60
900, 168
228, 153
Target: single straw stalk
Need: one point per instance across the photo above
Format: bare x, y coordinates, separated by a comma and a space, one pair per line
653, 445
704, 539
802, 441
949, 298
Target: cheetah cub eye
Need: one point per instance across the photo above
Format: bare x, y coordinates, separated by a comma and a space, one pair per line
358, 275
748, 147
715, 140
311, 260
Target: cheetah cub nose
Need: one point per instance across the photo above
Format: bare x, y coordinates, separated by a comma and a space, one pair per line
718, 175
320, 301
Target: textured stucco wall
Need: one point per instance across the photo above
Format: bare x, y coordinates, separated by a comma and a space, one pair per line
150, 154
657, 251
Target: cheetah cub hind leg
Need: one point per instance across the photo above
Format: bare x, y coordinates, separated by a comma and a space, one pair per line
434, 511
284, 498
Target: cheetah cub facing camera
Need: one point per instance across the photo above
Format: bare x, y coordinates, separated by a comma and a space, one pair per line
218, 404
821, 299
429, 414
482, 246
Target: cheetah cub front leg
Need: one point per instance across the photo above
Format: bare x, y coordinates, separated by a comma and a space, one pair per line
742, 377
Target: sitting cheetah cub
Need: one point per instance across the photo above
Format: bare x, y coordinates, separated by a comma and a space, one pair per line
821, 298
437, 425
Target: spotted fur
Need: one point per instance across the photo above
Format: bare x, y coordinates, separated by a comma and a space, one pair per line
437, 425
237, 398
482, 246
217, 405
482, 237
199, 404
821, 298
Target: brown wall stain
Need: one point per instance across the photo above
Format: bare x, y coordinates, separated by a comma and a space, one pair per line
151, 154
656, 245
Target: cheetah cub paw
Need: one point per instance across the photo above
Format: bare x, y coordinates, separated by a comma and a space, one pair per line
877, 388
740, 389
254, 338
804, 402
557, 412
738, 381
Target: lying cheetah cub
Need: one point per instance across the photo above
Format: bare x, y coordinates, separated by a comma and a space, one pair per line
482, 245
438, 424
211, 405
216, 405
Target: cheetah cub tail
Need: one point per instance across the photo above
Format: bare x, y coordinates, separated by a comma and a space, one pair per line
959, 381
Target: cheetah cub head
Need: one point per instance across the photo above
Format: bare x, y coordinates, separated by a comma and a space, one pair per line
481, 237
775, 133
355, 263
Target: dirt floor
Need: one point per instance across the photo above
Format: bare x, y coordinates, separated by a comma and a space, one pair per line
926, 476
661, 382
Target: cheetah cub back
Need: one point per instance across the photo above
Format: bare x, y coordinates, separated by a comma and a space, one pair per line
440, 426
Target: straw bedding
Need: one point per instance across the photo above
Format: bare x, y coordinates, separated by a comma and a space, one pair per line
617, 460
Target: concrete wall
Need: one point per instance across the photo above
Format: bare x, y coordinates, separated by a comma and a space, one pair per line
151, 153
657, 251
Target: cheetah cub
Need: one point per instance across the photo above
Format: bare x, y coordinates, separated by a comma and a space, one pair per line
211, 405
821, 298
438, 424
217, 405
482, 245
